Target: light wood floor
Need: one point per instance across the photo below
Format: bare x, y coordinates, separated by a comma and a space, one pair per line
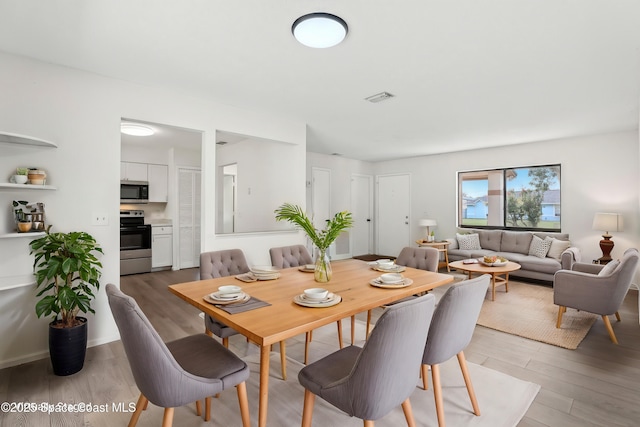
596, 385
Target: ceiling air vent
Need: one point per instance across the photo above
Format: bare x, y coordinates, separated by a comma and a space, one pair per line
379, 97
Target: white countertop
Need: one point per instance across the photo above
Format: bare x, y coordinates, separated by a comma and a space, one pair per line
159, 222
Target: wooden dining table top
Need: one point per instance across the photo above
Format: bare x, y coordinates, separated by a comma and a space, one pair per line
284, 318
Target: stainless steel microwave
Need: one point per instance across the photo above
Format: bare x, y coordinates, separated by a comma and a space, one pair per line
134, 192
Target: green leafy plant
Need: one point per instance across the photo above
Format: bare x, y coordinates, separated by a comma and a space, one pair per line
67, 271
322, 239
22, 171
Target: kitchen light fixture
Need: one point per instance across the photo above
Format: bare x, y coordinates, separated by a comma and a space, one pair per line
136, 129
319, 30
607, 222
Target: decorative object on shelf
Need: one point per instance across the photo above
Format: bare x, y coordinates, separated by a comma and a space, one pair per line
37, 177
431, 235
28, 213
322, 239
607, 222
67, 272
20, 177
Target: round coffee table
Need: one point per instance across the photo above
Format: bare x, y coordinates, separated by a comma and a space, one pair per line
495, 272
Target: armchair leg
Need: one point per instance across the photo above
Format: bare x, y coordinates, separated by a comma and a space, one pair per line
244, 404
207, 408
607, 324
561, 310
368, 423
467, 380
198, 408
140, 406
408, 413
225, 342
307, 410
167, 418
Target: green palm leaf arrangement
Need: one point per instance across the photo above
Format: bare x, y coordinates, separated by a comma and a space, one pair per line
322, 239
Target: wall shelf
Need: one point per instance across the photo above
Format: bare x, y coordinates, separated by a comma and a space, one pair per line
29, 234
14, 139
25, 187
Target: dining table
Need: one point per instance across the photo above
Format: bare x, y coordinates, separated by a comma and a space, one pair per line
354, 281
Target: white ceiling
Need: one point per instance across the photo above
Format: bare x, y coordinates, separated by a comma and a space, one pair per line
465, 73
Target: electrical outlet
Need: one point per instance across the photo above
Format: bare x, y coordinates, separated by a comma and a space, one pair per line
99, 219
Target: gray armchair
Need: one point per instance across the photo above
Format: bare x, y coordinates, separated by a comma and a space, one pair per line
296, 256
178, 372
451, 330
595, 288
369, 382
222, 264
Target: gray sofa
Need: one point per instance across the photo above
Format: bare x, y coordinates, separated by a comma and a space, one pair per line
514, 246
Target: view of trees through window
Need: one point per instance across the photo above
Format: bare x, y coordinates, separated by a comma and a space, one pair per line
522, 198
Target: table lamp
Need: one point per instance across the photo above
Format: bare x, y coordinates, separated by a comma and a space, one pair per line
428, 223
606, 222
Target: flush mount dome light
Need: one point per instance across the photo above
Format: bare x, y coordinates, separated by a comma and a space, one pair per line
136, 129
319, 30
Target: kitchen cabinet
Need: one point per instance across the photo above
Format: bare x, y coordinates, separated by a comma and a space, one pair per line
161, 246
130, 171
158, 183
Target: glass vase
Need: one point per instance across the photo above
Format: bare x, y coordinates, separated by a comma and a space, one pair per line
323, 272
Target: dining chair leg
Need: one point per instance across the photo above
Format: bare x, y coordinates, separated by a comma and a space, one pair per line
425, 376
208, 332
207, 408
467, 380
140, 406
353, 330
244, 404
283, 359
198, 408
366, 333
368, 423
437, 394
307, 409
310, 335
225, 342
307, 340
618, 316
167, 418
607, 324
408, 413
340, 333
561, 311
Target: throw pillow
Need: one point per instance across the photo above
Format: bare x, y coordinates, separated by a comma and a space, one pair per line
557, 247
468, 241
608, 269
539, 247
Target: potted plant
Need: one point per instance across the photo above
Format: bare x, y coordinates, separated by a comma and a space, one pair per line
67, 272
322, 239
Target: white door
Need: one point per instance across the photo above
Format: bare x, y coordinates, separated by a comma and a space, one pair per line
393, 207
362, 211
188, 217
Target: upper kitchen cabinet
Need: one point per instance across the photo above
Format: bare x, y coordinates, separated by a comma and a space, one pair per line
133, 171
158, 183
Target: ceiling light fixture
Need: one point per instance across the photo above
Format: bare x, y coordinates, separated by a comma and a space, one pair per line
319, 30
379, 97
136, 129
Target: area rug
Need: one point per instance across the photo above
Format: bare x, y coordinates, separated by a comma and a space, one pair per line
503, 399
527, 310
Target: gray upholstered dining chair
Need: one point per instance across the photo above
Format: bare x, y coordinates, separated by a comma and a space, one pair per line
420, 258
296, 256
369, 382
229, 262
178, 372
595, 288
454, 321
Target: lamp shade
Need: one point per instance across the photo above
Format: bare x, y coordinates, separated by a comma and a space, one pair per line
427, 223
607, 222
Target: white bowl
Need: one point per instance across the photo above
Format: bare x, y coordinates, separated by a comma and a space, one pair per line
391, 278
316, 293
387, 265
228, 290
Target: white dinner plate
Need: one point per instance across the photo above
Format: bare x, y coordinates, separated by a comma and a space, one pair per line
379, 284
331, 300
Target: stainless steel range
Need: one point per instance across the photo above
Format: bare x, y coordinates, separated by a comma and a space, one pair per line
135, 243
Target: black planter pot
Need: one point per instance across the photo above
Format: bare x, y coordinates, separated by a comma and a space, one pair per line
67, 348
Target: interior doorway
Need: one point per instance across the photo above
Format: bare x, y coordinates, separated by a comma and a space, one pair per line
394, 207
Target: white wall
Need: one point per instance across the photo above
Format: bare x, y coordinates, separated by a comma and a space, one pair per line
81, 112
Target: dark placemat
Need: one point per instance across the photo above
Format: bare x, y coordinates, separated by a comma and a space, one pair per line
252, 304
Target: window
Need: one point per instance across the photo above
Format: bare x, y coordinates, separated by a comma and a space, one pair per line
514, 198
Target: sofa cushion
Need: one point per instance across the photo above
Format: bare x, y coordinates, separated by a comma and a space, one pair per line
539, 247
490, 239
533, 263
557, 247
516, 241
468, 241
